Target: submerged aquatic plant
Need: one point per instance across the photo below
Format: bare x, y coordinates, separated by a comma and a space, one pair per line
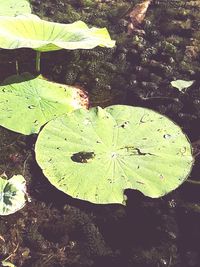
95, 155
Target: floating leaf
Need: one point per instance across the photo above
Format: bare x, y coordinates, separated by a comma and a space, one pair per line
95, 155
14, 8
7, 264
27, 102
33, 32
12, 194
181, 84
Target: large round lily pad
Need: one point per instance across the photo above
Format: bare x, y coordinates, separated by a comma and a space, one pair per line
95, 155
32, 32
27, 102
14, 7
12, 194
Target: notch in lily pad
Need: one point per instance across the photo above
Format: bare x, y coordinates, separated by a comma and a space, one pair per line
28, 102
32, 32
96, 154
12, 194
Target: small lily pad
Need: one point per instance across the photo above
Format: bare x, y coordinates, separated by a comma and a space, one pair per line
32, 32
14, 8
27, 102
12, 194
181, 85
7, 264
95, 155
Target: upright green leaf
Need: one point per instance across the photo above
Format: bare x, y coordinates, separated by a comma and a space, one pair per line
33, 32
95, 155
12, 194
27, 102
14, 7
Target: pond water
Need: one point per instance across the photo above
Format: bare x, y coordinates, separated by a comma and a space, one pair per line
56, 230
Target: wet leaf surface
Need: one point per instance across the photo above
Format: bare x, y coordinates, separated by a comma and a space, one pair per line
95, 155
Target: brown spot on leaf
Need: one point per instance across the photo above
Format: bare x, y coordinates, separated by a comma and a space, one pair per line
81, 96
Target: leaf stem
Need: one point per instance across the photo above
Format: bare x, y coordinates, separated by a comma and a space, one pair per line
193, 181
17, 67
159, 97
38, 57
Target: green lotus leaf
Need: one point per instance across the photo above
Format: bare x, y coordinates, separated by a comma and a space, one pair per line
33, 32
95, 155
14, 8
27, 102
12, 194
